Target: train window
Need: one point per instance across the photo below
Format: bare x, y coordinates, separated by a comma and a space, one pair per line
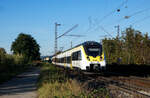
56, 59
59, 60
93, 50
76, 55
79, 55
69, 59
63, 60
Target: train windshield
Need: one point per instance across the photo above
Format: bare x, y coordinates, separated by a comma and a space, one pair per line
94, 50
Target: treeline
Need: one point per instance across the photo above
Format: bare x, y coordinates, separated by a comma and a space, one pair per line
132, 47
10, 65
25, 50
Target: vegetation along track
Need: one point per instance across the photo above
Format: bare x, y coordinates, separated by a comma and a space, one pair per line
133, 87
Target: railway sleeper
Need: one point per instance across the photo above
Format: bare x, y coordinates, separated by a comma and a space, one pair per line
129, 91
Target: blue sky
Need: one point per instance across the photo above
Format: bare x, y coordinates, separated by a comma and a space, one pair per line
37, 18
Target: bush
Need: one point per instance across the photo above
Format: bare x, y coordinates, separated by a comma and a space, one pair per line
10, 65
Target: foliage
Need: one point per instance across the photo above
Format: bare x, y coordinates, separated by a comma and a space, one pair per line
54, 82
131, 48
10, 65
27, 46
25, 49
2, 51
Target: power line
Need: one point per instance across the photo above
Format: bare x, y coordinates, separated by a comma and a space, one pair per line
138, 12
71, 35
57, 37
68, 31
141, 20
106, 16
116, 9
102, 28
75, 35
135, 13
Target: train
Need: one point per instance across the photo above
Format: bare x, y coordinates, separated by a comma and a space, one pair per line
87, 56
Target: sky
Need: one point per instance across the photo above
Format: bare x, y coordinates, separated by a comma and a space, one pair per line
95, 19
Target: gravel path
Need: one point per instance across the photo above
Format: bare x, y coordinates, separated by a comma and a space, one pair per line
23, 86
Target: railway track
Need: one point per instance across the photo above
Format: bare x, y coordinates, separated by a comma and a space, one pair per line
128, 89
142, 83
119, 85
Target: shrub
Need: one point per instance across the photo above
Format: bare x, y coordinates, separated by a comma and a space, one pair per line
10, 65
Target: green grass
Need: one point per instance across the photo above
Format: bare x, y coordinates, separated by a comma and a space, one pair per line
11, 65
55, 82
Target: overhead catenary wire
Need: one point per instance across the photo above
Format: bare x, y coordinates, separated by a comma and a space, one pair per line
127, 17
131, 15
57, 37
119, 7
138, 12
76, 42
102, 28
112, 12
75, 35
70, 35
147, 17
68, 31
97, 22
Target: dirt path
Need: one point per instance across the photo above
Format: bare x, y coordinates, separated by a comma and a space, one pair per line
23, 86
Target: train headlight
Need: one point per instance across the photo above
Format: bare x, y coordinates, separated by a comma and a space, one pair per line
88, 58
101, 58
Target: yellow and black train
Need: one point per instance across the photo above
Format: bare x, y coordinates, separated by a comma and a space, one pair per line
86, 56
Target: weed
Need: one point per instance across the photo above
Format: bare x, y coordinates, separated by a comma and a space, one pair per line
54, 82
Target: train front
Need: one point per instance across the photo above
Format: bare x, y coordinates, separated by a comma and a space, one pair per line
94, 56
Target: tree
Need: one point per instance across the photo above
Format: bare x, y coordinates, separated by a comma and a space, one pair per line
132, 47
2, 55
2, 51
27, 46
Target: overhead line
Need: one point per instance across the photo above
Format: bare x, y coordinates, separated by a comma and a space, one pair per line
129, 16
68, 31
104, 17
102, 28
141, 20
113, 11
138, 12
75, 35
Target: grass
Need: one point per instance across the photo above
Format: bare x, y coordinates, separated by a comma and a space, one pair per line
55, 82
68, 89
11, 65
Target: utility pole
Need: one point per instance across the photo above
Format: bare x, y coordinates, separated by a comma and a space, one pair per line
57, 37
55, 49
118, 30
119, 43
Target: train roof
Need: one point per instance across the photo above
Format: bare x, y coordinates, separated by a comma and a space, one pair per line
84, 44
90, 43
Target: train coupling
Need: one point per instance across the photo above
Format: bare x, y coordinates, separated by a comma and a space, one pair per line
94, 67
